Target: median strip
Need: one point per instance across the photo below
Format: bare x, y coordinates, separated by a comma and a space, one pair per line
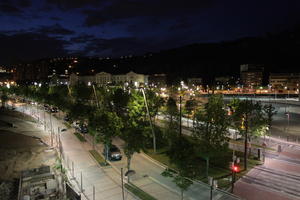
80, 137
98, 158
138, 192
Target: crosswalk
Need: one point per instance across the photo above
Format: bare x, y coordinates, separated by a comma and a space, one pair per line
275, 180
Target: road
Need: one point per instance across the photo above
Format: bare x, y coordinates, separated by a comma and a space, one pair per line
148, 174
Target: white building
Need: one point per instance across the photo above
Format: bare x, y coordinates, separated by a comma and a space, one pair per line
104, 78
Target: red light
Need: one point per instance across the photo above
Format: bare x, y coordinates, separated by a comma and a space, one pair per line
235, 168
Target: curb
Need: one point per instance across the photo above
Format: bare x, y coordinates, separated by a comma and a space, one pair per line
170, 189
153, 160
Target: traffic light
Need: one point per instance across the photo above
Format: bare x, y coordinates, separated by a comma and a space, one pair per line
235, 168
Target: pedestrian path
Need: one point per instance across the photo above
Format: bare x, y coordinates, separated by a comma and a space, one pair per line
87, 174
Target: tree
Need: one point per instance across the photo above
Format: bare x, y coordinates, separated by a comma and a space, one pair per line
182, 155
109, 125
190, 107
172, 123
249, 119
136, 128
211, 129
155, 102
4, 99
171, 109
180, 181
269, 112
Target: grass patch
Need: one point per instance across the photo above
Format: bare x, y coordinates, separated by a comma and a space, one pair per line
138, 192
67, 125
80, 137
239, 142
98, 158
160, 156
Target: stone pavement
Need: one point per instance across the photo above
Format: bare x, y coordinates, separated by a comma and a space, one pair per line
92, 175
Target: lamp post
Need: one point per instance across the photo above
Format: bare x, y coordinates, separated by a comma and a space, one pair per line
150, 120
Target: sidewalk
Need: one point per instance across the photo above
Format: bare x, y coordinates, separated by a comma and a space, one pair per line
140, 179
92, 174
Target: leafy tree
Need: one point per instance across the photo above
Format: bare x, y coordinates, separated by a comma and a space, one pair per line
172, 115
269, 112
249, 119
180, 181
190, 107
4, 99
136, 128
182, 155
155, 102
81, 92
108, 124
211, 129
171, 109
120, 100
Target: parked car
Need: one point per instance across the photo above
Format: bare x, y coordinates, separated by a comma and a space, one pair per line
66, 118
46, 107
54, 110
83, 129
114, 153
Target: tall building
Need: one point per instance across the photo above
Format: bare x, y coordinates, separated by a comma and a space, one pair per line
251, 75
158, 80
194, 81
288, 81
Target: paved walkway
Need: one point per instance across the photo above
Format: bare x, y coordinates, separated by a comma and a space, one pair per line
278, 178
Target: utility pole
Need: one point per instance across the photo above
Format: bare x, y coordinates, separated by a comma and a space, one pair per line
180, 120
51, 130
122, 183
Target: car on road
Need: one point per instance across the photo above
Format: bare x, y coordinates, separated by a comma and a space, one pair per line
83, 129
114, 153
67, 118
54, 110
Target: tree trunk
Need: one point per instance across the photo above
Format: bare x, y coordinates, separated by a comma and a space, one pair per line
128, 162
181, 194
246, 148
207, 166
106, 152
128, 165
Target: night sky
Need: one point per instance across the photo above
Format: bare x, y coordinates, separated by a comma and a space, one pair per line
33, 29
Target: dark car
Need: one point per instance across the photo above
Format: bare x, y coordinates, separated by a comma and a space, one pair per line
83, 129
66, 118
54, 110
114, 153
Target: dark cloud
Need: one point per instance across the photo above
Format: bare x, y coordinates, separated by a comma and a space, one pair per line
70, 4
124, 9
180, 25
112, 47
55, 29
8, 9
56, 18
24, 3
28, 46
83, 38
13, 7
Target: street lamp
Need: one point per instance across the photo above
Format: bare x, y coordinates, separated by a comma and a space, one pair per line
150, 120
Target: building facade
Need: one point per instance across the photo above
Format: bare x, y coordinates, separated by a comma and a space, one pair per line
194, 81
285, 81
251, 75
104, 78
